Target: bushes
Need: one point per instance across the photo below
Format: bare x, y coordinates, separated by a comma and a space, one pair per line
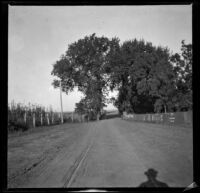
110, 116
17, 125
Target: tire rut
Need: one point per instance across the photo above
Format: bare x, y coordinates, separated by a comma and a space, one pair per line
73, 171
41, 163
62, 151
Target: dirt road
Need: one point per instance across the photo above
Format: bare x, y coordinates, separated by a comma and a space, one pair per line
107, 153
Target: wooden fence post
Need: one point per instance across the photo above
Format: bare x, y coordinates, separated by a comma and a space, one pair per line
52, 118
34, 119
25, 117
48, 118
41, 117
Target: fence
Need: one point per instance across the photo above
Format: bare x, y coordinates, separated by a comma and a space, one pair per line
167, 118
23, 117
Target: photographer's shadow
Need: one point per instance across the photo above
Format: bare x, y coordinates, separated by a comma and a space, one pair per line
152, 181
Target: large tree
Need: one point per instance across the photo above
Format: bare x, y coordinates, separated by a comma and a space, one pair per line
182, 66
143, 76
83, 66
146, 77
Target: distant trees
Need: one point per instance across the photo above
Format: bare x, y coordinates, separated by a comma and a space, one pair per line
86, 107
148, 79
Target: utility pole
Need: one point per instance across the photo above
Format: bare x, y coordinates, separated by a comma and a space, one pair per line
61, 102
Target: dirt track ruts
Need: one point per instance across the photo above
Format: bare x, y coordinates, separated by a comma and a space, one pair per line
108, 153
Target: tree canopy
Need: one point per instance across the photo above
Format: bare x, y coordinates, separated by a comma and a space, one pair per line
82, 66
143, 75
148, 78
182, 67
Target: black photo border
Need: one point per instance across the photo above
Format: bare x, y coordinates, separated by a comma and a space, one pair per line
4, 91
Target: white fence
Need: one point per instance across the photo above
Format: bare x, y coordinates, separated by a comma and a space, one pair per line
174, 118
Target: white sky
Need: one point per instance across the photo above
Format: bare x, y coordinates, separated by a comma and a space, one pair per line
38, 35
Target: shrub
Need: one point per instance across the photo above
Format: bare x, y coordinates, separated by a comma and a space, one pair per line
17, 125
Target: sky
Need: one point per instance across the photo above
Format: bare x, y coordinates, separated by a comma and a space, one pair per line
39, 35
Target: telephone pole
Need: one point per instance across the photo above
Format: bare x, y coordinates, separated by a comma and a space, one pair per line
61, 102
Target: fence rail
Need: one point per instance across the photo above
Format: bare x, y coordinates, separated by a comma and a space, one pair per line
167, 118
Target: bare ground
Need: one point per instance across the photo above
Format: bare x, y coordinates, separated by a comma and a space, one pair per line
107, 153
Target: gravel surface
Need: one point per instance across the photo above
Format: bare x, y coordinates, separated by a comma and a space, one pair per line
107, 153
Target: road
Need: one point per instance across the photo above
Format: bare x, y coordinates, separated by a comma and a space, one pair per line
107, 153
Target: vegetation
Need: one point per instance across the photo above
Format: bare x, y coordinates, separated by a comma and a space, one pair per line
148, 78
143, 76
20, 117
182, 67
83, 66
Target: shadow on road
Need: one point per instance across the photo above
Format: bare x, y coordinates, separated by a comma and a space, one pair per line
152, 181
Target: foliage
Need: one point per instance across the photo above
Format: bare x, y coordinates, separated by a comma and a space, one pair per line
88, 107
148, 79
83, 66
143, 75
18, 111
182, 66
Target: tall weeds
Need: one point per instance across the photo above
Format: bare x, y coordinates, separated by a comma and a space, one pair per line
22, 117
